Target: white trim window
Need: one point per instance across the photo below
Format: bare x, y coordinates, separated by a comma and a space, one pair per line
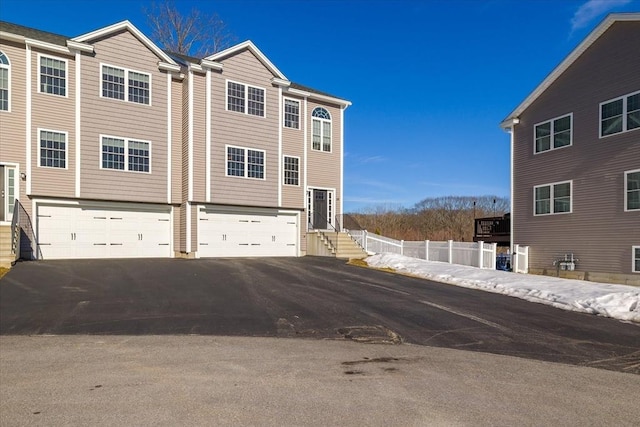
245, 99
555, 198
291, 170
291, 113
553, 134
125, 154
632, 190
53, 149
117, 81
53, 75
635, 259
321, 137
5, 81
620, 114
245, 162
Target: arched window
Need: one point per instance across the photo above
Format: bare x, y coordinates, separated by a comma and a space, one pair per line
321, 140
4, 81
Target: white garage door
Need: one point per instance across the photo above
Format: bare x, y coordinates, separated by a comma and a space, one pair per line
225, 234
89, 232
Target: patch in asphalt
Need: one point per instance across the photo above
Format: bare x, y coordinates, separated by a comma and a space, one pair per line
370, 334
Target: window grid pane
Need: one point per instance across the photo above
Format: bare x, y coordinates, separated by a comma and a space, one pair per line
543, 137
235, 97
113, 153
255, 103
112, 82
291, 170
138, 88
562, 132
562, 198
636, 260
633, 112
612, 117
53, 77
291, 114
326, 136
235, 161
543, 200
633, 191
316, 135
4, 89
138, 156
255, 164
53, 149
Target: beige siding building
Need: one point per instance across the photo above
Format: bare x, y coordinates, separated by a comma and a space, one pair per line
114, 148
575, 144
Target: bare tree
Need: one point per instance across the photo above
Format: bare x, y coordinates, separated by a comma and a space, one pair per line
197, 34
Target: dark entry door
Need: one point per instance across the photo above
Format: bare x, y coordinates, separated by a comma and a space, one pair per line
320, 209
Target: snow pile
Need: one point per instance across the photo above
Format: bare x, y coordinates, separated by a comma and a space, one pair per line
617, 301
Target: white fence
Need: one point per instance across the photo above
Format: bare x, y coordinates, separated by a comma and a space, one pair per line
475, 254
520, 259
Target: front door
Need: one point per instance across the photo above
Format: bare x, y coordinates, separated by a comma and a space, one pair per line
7, 192
320, 209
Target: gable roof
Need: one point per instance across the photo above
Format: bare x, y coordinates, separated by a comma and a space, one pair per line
253, 49
128, 26
567, 62
32, 33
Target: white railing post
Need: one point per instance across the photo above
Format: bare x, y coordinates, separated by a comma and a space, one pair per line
480, 253
514, 260
401, 247
426, 250
526, 260
450, 251
364, 240
494, 255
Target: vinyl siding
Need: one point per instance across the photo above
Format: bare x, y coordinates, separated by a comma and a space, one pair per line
323, 169
293, 145
598, 231
176, 141
244, 130
185, 163
55, 113
199, 137
105, 116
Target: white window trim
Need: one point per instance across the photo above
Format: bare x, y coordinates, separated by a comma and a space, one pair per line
551, 196
284, 170
66, 75
8, 68
570, 115
66, 150
624, 115
626, 191
246, 99
246, 162
321, 120
284, 103
633, 259
126, 154
126, 84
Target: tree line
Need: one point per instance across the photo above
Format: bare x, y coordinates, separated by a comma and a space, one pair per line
434, 218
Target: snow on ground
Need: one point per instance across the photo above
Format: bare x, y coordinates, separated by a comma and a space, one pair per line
617, 301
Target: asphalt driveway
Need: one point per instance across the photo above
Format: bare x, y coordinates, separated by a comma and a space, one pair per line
306, 297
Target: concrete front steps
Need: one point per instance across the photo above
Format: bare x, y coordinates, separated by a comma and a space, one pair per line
341, 245
6, 256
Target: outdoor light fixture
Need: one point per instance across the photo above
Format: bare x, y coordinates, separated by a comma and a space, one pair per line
23, 176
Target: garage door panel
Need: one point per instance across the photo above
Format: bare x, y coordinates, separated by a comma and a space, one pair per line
88, 232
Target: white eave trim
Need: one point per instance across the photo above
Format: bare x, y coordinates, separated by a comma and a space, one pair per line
281, 82
298, 92
13, 37
47, 46
569, 60
303, 93
509, 123
172, 68
252, 47
82, 47
126, 25
212, 65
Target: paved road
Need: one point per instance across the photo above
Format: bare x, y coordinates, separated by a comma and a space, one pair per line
300, 297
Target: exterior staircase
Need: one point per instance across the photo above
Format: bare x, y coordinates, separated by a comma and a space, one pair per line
341, 245
6, 256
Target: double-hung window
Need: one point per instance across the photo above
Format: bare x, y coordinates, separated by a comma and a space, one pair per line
321, 137
632, 190
126, 85
291, 170
552, 198
291, 114
245, 162
552, 134
125, 154
4, 81
620, 114
635, 254
245, 99
53, 75
53, 149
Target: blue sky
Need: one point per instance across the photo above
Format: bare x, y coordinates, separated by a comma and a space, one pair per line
429, 80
